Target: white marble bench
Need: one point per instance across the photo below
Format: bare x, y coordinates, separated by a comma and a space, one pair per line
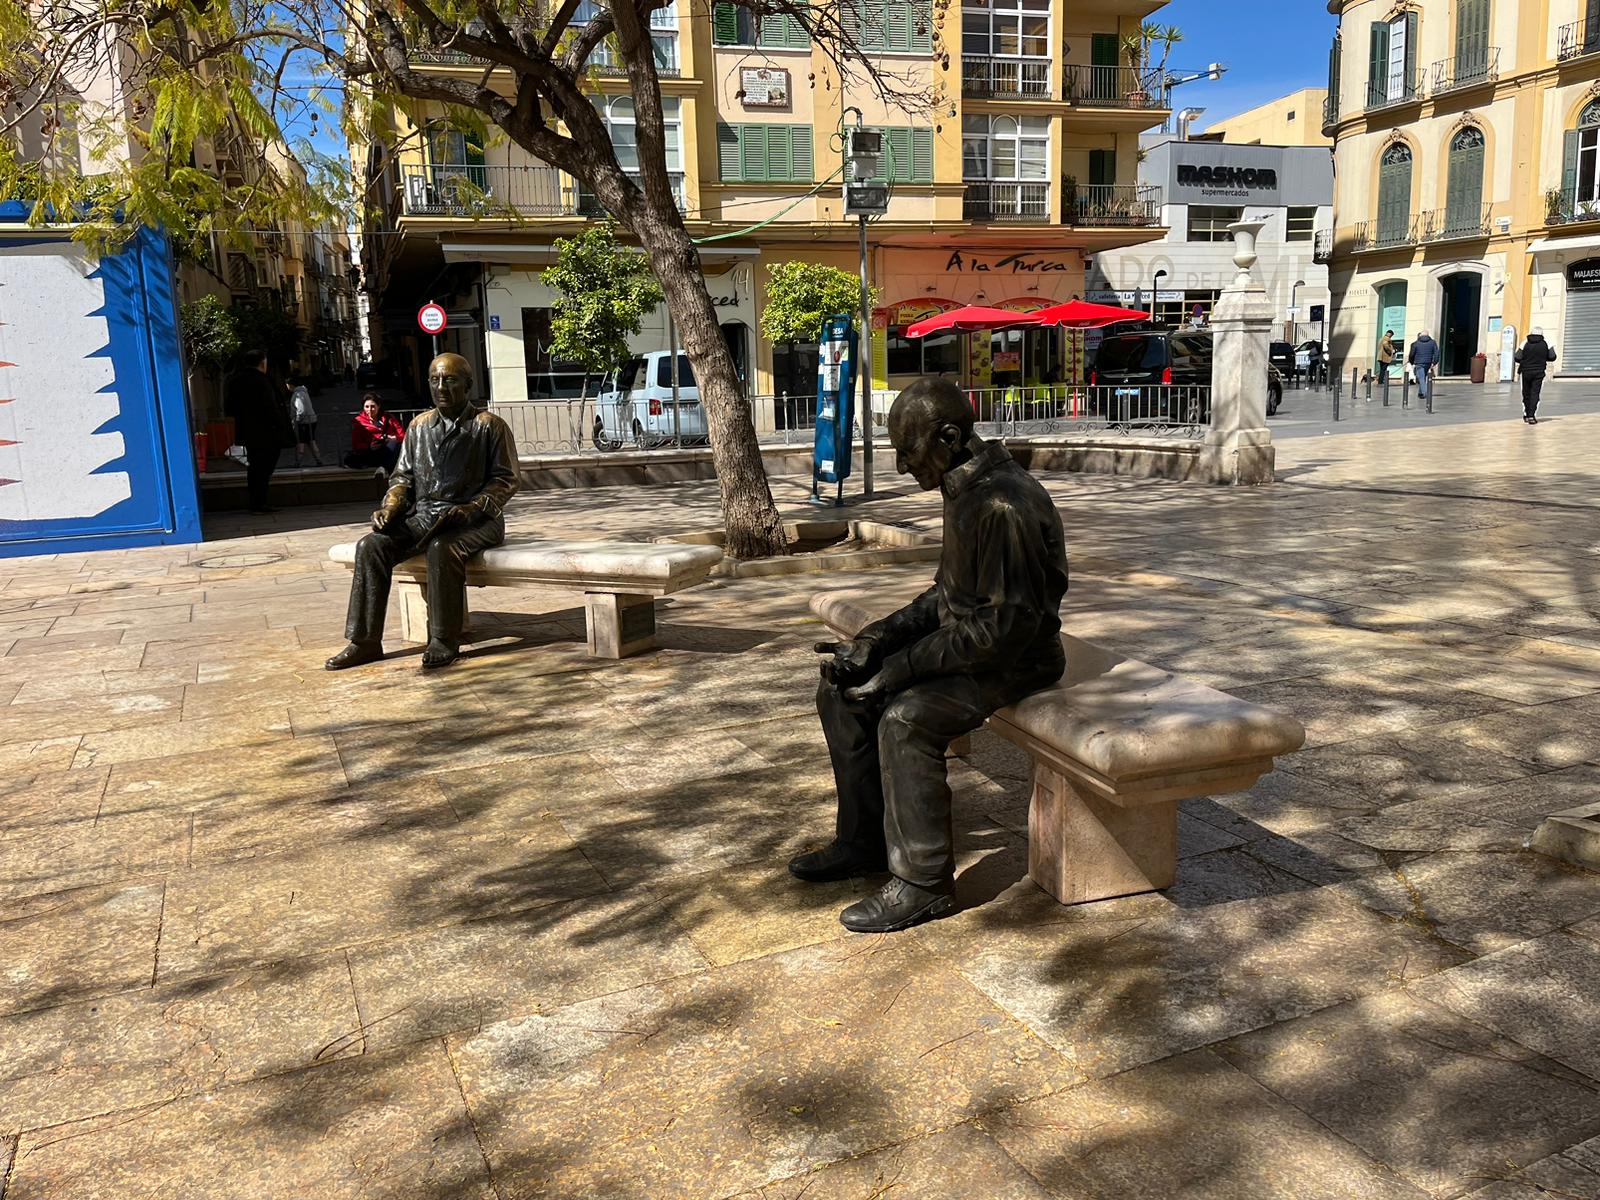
620, 582
1115, 745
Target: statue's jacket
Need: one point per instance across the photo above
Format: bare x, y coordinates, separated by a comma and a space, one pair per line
446, 463
995, 606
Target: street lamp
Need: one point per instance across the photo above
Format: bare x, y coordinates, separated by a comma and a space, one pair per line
1155, 290
1294, 306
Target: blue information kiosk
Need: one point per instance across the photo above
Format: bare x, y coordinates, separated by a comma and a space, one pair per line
836, 369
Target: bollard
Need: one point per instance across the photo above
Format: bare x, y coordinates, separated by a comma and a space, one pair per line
1428, 399
1405, 391
1355, 382
1338, 383
1386, 389
1368, 381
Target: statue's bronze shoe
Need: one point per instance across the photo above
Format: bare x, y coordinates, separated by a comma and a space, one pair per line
356, 654
896, 905
837, 860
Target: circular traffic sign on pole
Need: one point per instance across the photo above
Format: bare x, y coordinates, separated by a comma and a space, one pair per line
432, 318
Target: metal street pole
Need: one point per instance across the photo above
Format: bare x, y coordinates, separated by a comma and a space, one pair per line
864, 367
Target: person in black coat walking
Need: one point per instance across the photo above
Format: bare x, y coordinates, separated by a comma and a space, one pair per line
1534, 360
260, 422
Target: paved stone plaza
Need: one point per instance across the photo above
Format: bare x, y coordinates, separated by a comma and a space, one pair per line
522, 929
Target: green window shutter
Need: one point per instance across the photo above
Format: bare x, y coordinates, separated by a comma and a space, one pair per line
1102, 167
921, 26
1410, 82
1378, 71
1464, 187
752, 152
783, 31
780, 156
922, 156
728, 152
1333, 71
896, 27
1104, 50
724, 24
897, 165
1569, 170
801, 165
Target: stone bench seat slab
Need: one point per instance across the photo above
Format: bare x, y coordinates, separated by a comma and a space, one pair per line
620, 582
1115, 745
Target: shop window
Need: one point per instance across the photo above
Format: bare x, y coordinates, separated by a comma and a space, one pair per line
1194, 309
937, 354
549, 377
1209, 222
765, 153
1301, 224
889, 26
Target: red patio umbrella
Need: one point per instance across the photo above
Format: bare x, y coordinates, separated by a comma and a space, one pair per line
973, 317
1080, 314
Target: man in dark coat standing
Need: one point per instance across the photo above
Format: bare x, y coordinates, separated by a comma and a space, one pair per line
260, 424
987, 634
1424, 359
1534, 360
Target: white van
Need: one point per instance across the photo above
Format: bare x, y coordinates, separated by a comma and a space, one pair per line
635, 404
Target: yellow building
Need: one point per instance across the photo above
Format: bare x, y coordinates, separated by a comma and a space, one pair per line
1467, 200
1028, 163
1292, 120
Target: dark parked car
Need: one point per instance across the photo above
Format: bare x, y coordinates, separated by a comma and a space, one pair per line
1281, 355
1180, 357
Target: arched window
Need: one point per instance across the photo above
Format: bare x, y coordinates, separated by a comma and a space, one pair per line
1394, 195
1005, 162
1580, 170
1463, 206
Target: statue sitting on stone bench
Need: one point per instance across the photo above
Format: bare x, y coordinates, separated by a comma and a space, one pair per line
446, 499
987, 634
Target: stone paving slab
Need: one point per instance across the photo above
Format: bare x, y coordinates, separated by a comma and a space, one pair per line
385, 934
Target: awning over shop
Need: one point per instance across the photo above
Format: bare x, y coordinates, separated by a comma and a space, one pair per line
1556, 244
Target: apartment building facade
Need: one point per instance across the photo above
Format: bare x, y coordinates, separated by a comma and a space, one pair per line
1466, 137
1025, 166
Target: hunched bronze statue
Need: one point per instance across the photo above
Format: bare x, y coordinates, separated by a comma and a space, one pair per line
987, 634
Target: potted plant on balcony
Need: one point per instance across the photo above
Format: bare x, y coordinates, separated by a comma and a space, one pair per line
1140, 50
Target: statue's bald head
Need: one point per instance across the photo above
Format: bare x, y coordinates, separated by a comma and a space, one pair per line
930, 425
450, 383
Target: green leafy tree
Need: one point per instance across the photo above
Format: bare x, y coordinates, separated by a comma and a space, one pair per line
209, 334
801, 295
206, 73
603, 294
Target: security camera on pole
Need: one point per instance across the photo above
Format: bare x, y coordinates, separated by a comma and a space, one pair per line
863, 150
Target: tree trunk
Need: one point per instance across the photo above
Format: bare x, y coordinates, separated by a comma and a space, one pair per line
749, 515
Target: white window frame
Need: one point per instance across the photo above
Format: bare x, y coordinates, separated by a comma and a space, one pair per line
1588, 162
616, 112
1005, 18
1023, 130
1396, 90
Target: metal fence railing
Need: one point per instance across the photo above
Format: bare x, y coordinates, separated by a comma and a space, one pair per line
1577, 39
1472, 65
1158, 409
1094, 86
1006, 77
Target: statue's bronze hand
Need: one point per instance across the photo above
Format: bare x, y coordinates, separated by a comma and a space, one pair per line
849, 660
385, 519
873, 689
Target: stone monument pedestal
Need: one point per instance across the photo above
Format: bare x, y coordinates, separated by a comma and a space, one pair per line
1238, 447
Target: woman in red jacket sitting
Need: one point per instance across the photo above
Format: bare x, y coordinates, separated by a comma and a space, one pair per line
375, 437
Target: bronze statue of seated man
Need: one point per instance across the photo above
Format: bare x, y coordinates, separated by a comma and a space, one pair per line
446, 499
987, 634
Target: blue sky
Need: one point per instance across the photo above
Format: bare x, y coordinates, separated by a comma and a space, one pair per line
1270, 49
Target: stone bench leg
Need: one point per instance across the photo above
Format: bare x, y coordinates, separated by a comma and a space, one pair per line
1082, 848
413, 598
619, 624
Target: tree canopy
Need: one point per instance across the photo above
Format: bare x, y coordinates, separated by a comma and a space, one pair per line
801, 295
603, 294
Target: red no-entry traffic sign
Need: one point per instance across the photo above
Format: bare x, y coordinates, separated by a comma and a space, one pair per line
432, 318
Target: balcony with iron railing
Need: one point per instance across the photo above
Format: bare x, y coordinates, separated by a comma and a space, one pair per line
1578, 39
445, 58
1113, 206
1330, 113
1469, 68
1387, 233
589, 204
1566, 209
480, 191
1454, 224
1006, 78
1389, 92
1110, 87
1004, 201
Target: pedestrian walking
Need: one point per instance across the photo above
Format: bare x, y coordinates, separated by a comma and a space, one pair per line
261, 425
1533, 360
305, 423
1424, 360
1386, 353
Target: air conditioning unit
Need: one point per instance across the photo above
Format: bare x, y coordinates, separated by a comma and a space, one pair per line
416, 193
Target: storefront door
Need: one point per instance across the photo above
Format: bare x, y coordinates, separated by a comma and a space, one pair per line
1458, 329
